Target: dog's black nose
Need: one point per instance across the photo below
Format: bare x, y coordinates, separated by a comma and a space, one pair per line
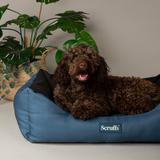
83, 65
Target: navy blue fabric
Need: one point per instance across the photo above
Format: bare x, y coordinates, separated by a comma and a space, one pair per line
41, 120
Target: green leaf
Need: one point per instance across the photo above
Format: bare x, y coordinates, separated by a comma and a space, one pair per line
47, 1
3, 9
30, 22
58, 56
15, 74
87, 38
70, 26
72, 15
15, 79
3, 96
11, 51
12, 84
15, 70
31, 74
47, 31
7, 67
4, 86
16, 57
69, 44
69, 21
7, 77
72, 19
4, 76
27, 68
7, 92
35, 64
66, 25
81, 43
25, 62
20, 21
10, 75
74, 43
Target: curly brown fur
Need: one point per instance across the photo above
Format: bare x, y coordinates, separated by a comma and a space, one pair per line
85, 89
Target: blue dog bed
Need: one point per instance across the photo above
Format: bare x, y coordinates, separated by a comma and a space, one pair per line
41, 120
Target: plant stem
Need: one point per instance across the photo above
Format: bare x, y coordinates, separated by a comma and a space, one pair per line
75, 31
34, 47
14, 11
40, 10
31, 44
31, 37
53, 47
24, 33
21, 34
44, 30
46, 21
26, 42
37, 27
45, 27
48, 47
36, 35
24, 24
34, 38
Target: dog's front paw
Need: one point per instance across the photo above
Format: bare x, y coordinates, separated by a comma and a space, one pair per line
81, 112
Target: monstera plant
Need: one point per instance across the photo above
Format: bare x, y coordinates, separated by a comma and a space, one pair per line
20, 53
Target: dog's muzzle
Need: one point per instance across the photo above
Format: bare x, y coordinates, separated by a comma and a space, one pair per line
82, 74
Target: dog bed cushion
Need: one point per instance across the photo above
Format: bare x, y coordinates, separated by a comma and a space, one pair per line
41, 120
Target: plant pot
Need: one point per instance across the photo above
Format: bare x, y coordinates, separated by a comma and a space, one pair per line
23, 77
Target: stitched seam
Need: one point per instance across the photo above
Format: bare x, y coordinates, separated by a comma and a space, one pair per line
28, 115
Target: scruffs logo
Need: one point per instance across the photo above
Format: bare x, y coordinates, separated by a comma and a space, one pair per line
110, 127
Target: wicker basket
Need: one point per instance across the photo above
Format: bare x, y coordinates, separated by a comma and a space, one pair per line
23, 77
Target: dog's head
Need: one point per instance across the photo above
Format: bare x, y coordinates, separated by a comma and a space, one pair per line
81, 65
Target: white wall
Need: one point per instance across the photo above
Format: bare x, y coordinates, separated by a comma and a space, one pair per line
127, 32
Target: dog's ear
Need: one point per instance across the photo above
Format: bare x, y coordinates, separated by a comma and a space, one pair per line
102, 74
61, 75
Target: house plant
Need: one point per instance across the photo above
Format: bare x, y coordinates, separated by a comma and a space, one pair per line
17, 55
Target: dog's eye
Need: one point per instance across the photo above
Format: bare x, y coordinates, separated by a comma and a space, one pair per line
74, 59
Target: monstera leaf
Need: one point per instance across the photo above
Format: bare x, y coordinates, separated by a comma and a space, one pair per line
72, 20
70, 25
20, 21
3, 9
81, 39
84, 36
47, 1
72, 15
74, 43
69, 44
11, 51
69, 21
30, 22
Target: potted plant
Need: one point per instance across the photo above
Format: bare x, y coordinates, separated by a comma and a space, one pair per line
19, 58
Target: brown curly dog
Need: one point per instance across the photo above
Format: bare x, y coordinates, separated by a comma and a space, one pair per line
85, 89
